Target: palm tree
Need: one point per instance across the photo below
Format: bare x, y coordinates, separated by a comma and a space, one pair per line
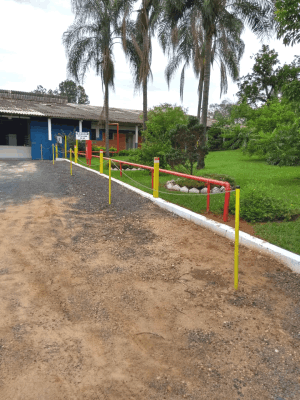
189, 47
216, 15
89, 42
138, 48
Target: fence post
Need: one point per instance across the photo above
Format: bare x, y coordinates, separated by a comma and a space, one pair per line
76, 154
56, 150
236, 246
156, 177
53, 152
109, 183
101, 161
71, 172
66, 155
226, 205
208, 197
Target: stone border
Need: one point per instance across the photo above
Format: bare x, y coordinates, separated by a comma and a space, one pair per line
291, 260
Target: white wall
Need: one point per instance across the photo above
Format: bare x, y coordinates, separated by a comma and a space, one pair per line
15, 152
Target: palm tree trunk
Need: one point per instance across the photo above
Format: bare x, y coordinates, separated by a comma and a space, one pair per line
145, 106
106, 120
200, 91
208, 44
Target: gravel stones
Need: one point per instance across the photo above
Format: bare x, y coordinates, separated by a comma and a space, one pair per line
194, 190
203, 191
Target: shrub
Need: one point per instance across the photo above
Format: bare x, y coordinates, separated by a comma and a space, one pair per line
257, 206
124, 153
149, 151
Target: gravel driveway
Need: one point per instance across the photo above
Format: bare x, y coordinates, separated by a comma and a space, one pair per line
130, 302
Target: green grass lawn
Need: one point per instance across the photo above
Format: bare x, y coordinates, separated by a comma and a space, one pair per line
248, 172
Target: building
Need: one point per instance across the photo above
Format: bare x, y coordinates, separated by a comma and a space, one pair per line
31, 122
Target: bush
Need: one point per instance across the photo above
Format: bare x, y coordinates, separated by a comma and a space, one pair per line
149, 151
257, 206
129, 152
283, 148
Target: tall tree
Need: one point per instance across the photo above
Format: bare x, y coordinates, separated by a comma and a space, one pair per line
189, 47
89, 44
288, 18
262, 84
68, 88
257, 14
138, 48
82, 97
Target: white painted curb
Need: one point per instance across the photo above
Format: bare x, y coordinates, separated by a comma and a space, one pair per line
288, 258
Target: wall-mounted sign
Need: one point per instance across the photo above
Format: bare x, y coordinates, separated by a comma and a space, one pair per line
59, 139
82, 136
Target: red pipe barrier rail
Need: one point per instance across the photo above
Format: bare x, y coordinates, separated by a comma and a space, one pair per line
207, 182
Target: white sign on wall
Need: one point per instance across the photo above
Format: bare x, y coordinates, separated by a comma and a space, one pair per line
82, 136
59, 139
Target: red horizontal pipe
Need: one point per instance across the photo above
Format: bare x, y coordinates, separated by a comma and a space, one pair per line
197, 178
129, 163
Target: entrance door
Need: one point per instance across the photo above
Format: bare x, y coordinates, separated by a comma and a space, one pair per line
129, 141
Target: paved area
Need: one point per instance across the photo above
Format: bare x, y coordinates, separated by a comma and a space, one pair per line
129, 302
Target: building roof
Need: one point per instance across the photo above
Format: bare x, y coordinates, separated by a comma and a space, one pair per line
40, 105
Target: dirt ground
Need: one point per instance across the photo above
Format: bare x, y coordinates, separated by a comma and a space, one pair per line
139, 306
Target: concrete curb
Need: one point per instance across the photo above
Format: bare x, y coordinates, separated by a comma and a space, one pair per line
288, 258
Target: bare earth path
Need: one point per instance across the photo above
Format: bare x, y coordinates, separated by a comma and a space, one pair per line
97, 303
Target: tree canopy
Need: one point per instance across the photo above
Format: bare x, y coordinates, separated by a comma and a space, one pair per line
75, 93
288, 18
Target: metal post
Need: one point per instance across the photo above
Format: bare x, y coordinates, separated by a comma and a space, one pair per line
118, 139
101, 161
71, 172
236, 246
109, 184
66, 155
208, 197
56, 150
226, 205
41, 151
156, 177
76, 154
53, 152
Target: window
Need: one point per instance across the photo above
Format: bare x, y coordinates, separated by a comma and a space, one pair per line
93, 134
100, 135
111, 135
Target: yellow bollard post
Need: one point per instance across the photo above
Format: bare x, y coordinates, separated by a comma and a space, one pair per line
76, 154
109, 185
156, 177
236, 246
56, 151
101, 162
53, 152
76, 144
66, 155
71, 172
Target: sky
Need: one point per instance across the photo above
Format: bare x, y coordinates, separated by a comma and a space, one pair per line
32, 54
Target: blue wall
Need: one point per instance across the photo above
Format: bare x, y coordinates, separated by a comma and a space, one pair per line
39, 135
